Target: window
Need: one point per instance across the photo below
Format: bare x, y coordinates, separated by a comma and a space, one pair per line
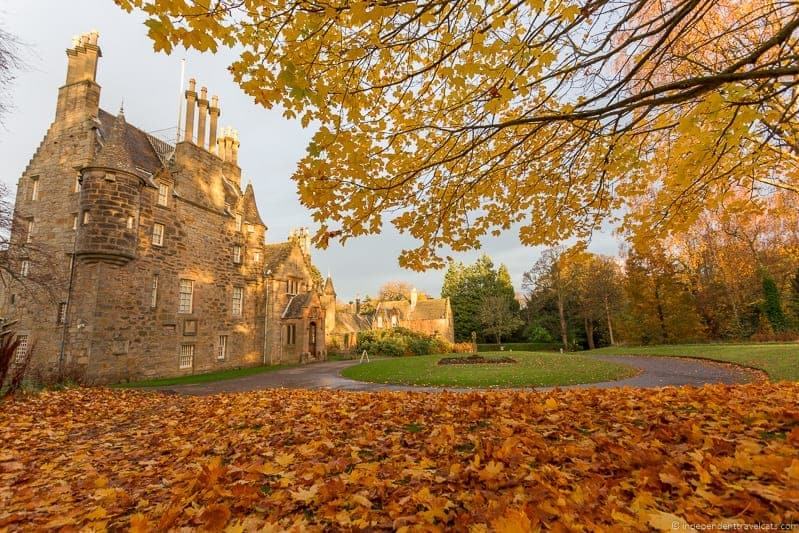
221, 350
62, 313
163, 194
70, 262
29, 236
256, 257
74, 222
238, 299
158, 234
86, 217
238, 222
186, 356
293, 285
154, 292
25, 268
394, 321
291, 334
237, 254
35, 188
130, 222
186, 295
22, 349
77, 184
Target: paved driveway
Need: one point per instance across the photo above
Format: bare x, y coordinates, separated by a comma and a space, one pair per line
654, 372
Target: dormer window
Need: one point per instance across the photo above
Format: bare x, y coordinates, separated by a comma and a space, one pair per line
163, 194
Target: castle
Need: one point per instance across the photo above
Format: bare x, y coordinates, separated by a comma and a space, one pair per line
159, 260
151, 260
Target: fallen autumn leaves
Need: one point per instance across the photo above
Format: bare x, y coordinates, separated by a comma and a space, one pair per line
505, 461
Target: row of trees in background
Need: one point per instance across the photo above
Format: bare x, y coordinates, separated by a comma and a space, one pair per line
732, 275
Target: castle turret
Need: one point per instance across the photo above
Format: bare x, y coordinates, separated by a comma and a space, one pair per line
109, 202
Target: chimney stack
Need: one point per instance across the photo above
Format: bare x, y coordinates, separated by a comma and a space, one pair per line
82, 58
203, 105
414, 298
214, 112
191, 97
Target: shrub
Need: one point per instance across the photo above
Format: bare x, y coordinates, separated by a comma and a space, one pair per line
462, 347
396, 342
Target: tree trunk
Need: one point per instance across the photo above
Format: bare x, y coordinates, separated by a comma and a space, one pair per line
610, 324
589, 333
661, 318
499, 338
564, 333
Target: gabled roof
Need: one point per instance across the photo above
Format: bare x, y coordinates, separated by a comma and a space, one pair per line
275, 254
350, 322
430, 309
329, 289
146, 152
297, 303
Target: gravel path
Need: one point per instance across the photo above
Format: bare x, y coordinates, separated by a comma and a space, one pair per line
654, 372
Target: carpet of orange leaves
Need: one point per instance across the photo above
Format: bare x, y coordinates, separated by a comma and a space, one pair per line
311, 460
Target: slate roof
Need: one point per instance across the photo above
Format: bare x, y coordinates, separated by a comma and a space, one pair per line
250, 208
329, 289
146, 152
431, 309
114, 152
276, 253
350, 322
297, 303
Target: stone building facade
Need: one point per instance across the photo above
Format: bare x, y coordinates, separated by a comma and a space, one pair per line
160, 262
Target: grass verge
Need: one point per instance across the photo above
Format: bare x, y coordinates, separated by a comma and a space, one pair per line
202, 378
779, 360
532, 370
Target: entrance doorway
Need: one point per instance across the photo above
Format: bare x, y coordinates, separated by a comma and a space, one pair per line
312, 339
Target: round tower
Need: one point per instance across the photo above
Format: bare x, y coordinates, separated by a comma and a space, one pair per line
109, 202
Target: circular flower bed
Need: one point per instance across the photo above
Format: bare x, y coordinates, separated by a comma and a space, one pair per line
476, 360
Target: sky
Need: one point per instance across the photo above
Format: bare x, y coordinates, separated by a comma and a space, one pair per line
149, 85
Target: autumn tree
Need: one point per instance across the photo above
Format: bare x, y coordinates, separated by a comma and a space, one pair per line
453, 120
498, 317
467, 286
395, 290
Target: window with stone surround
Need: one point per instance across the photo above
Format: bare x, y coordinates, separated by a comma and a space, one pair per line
238, 222
186, 356
158, 234
221, 348
76, 188
25, 268
256, 257
62, 313
29, 235
236, 254
292, 287
86, 217
163, 194
35, 188
186, 296
22, 349
238, 300
74, 222
154, 292
291, 334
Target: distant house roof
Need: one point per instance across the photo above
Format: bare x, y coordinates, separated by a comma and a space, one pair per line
147, 153
297, 303
350, 322
431, 309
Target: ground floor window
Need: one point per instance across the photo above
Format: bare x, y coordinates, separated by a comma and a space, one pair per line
221, 353
291, 334
186, 356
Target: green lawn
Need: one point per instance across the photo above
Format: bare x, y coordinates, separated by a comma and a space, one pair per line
203, 378
780, 361
532, 369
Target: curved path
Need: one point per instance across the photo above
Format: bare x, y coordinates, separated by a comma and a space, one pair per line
655, 372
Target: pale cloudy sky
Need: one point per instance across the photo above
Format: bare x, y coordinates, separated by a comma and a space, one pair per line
270, 145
